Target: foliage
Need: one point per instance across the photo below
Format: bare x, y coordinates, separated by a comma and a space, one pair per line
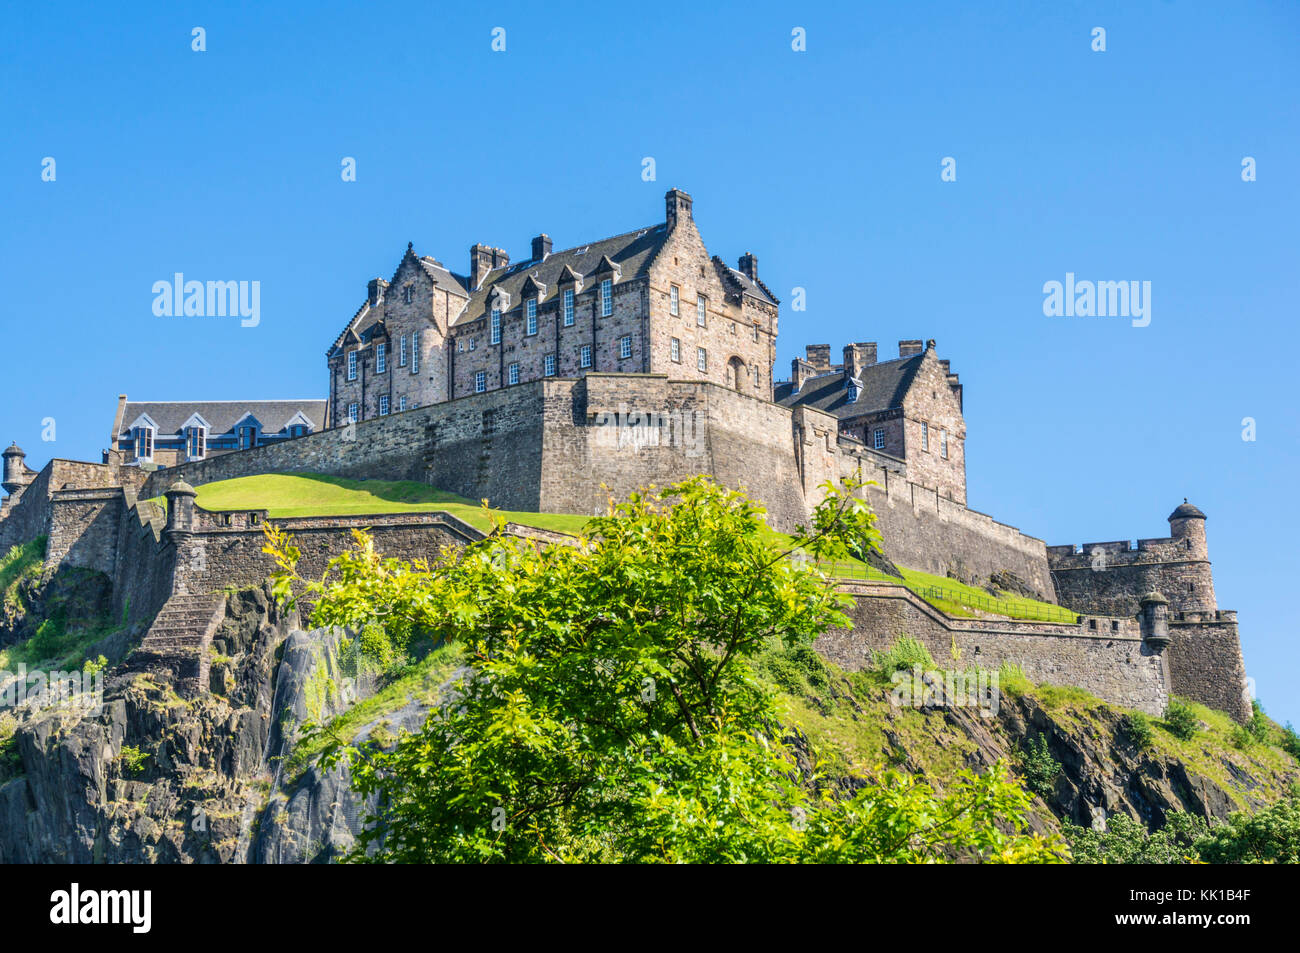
20, 563
1271, 836
903, 654
1291, 741
610, 711
1038, 767
1257, 730
1180, 720
94, 666
1012, 679
1127, 841
133, 760
1137, 728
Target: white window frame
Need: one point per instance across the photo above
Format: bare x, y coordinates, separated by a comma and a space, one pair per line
354, 412
925, 435
496, 326
251, 431
381, 358
943, 444
148, 434
401, 404
625, 347
352, 365
383, 405
401, 353
675, 350
701, 311
568, 308
548, 365
878, 439
584, 356
674, 300
199, 448
480, 382
415, 353
531, 321
606, 297
701, 359
512, 372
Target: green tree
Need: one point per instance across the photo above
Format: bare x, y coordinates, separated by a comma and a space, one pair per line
610, 711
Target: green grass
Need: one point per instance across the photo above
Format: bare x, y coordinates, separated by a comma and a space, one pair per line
285, 495
19, 564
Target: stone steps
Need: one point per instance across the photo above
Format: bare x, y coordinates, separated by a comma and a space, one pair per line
176, 644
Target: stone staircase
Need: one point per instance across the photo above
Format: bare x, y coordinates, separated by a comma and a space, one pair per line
176, 645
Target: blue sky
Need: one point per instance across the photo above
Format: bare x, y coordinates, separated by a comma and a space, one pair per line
1115, 165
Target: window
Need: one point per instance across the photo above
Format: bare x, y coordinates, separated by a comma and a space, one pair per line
472, 343
943, 444
401, 404
756, 332
383, 405
674, 300
925, 436
144, 443
701, 311
496, 325
878, 439
568, 307
732, 326
247, 438
381, 358
584, 357
352, 412
677, 351
415, 353
625, 346
532, 316
607, 297
549, 369
701, 359
195, 443
480, 382
352, 365
401, 353
298, 430
513, 371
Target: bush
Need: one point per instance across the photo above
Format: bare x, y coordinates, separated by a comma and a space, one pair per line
1270, 837
1126, 841
1137, 728
904, 654
1258, 730
132, 759
1012, 679
1291, 741
1038, 768
1180, 721
796, 669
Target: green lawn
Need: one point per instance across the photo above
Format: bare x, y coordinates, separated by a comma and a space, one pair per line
305, 494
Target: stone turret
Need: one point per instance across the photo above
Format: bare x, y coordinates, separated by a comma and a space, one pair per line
180, 512
1153, 620
16, 473
1187, 529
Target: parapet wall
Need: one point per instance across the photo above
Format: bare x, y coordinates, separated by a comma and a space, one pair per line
1106, 657
1111, 577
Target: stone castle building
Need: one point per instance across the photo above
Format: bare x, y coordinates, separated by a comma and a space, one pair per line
639, 359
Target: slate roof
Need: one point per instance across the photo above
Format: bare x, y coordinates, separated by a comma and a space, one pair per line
1185, 510
883, 387
222, 415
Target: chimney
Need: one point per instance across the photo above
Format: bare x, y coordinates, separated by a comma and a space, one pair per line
819, 356
541, 246
749, 266
679, 207
499, 258
857, 356
375, 290
480, 263
908, 348
800, 371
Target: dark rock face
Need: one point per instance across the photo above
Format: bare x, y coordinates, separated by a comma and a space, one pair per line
70, 595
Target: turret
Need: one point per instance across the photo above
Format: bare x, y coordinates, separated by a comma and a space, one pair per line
180, 511
1187, 524
1153, 620
16, 473
1196, 586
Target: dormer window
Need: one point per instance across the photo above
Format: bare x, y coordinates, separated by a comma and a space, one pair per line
247, 437
196, 442
496, 326
606, 297
144, 443
532, 316
352, 365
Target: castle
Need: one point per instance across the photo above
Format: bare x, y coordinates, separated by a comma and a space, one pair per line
639, 359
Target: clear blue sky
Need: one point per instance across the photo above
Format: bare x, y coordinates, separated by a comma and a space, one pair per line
1122, 165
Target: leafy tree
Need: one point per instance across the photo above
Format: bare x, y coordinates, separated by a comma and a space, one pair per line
610, 710
1127, 841
1137, 727
1272, 836
1039, 769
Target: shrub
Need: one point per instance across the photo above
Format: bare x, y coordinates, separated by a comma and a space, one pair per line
1180, 721
903, 654
1038, 768
1012, 679
796, 669
1126, 841
132, 759
1270, 837
1257, 730
1137, 728
1291, 741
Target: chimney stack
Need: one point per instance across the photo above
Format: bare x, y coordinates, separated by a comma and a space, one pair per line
375, 290
908, 348
857, 356
819, 356
679, 207
749, 266
541, 246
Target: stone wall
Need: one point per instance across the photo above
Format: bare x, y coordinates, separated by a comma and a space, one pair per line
1205, 661
1111, 577
1106, 657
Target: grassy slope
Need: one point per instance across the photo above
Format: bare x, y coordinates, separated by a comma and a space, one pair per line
19, 564
286, 495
